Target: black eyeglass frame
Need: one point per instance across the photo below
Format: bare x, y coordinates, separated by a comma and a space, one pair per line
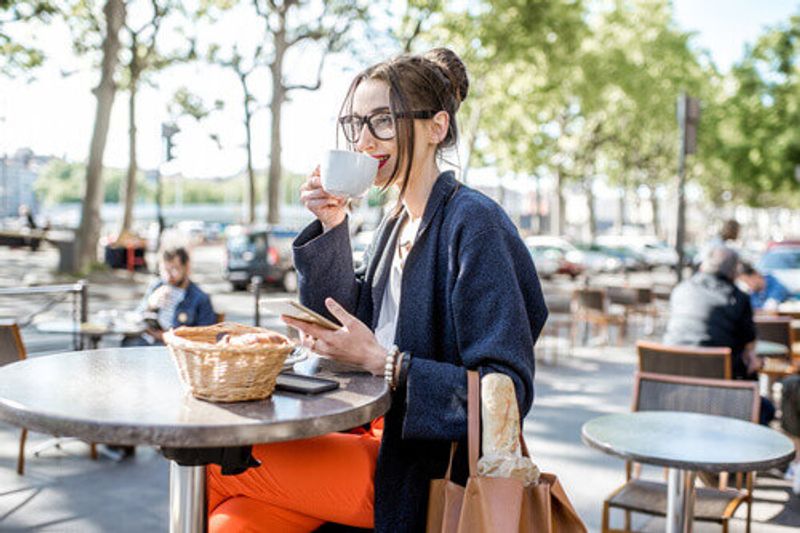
367, 119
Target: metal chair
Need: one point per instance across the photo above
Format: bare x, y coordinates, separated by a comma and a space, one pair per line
691, 361
591, 307
559, 307
658, 392
12, 350
777, 329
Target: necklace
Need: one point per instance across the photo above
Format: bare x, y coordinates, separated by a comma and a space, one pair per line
406, 240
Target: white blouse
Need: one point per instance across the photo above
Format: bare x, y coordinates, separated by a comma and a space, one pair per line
386, 328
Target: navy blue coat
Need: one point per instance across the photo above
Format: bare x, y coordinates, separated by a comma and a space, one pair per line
470, 299
194, 310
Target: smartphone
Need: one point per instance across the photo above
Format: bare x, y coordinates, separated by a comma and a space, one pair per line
152, 323
291, 382
294, 309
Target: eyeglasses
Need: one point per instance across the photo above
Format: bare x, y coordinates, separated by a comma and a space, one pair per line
381, 124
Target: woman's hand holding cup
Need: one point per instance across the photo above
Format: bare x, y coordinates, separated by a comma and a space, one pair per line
328, 208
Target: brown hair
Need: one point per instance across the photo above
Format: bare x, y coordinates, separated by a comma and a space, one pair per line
433, 81
168, 254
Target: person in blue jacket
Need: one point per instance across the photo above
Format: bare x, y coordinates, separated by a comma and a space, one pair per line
766, 292
173, 300
446, 285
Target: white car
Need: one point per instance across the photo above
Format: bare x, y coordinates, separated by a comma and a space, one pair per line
783, 262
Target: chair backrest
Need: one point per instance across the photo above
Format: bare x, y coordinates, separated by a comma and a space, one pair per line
220, 317
731, 398
558, 303
644, 295
622, 295
692, 361
591, 299
11, 347
776, 329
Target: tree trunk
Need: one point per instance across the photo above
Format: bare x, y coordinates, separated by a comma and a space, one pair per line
657, 230
587, 184
474, 122
275, 105
558, 221
89, 231
130, 179
621, 210
251, 176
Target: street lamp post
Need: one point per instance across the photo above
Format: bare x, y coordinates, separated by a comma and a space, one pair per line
688, 118
168, 130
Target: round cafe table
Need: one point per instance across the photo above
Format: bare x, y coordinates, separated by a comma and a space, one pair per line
686, 443
770, 349
133, 396
94, 331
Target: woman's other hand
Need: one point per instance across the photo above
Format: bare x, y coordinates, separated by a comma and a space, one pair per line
329, 209
353, 343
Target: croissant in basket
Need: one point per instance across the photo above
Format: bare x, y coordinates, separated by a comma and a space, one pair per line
228, 362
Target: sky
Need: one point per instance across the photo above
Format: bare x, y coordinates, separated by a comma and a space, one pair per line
53, 114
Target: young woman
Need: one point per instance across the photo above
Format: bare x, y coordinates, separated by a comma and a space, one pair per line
447, 285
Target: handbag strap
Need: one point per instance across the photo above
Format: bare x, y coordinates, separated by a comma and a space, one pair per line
450, 464
473, 420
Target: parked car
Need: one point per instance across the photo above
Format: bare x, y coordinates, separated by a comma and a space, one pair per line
631, 260
596, 259
649, 249
260, 251
193, 230
783, 262
546, 259
570, 259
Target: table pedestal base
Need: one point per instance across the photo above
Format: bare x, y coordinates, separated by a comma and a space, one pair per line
680, 501
187, 498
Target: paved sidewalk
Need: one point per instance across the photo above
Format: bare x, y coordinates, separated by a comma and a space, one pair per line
63, 490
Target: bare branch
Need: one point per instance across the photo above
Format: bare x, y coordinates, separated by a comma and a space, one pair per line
316, 85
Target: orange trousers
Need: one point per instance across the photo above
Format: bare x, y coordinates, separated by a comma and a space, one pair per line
299, 486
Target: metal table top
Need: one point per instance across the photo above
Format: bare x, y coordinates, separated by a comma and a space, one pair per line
134, 396
689, 441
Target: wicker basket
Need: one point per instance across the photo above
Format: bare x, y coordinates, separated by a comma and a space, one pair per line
223, 373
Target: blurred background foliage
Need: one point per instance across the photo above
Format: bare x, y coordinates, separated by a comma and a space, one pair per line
568, 88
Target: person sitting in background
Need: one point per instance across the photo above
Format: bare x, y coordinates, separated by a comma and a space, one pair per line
172, 301
709, 310
766, 292
727, 236
27, 221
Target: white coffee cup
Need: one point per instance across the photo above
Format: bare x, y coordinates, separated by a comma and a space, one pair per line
346, 173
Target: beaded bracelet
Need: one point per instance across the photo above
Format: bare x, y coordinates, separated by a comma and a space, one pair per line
388, 370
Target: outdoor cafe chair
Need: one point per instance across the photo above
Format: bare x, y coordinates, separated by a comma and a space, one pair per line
591, 307
658, 392
777, 329
12, 350
691, 361
635, 302
559, 318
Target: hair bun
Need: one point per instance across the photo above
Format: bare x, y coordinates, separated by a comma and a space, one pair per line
453, 68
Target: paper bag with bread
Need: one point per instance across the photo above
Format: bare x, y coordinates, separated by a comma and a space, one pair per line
505, 490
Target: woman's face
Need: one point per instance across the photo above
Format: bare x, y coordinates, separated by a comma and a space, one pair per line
371, 98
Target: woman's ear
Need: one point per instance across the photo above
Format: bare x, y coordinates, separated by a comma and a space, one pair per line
439, 126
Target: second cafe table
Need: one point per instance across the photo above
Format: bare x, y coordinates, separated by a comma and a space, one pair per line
133, 396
